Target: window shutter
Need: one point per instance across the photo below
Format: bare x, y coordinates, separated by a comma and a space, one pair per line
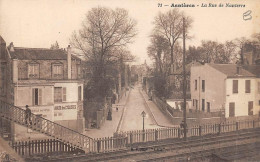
40, 96
33, 96
64, 94
235, 86
248, 86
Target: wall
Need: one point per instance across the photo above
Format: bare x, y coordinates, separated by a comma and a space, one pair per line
214, 87
241, 98
257, 97
68, 110
45, 67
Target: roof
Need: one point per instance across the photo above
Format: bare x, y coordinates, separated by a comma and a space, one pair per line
231, 70
254, 69
2, 41
39, 54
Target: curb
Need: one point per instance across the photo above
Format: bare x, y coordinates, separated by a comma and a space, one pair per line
122, 115
146, 104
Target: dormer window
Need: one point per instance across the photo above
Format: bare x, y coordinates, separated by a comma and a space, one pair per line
33, 70
57, 71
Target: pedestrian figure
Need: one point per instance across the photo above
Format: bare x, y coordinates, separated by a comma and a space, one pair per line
28, 114
116, 108
183, 126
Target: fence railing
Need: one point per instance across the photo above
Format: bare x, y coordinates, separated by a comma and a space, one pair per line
45, 126
38, 147
69, 140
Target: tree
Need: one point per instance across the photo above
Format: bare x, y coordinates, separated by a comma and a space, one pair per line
55, 45
169, 26
103, 40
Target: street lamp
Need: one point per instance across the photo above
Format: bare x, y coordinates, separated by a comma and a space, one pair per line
143, 115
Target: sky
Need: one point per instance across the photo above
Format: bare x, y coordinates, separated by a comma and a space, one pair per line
40, 23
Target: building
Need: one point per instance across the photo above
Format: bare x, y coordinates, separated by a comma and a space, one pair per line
251, 55
176, 81
49, 81
227, 87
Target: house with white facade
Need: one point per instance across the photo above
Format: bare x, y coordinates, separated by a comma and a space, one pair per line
228, 87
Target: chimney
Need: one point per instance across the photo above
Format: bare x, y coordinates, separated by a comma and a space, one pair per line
11, 47
15, 71
69, 61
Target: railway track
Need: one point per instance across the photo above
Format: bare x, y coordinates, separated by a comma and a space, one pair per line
193, 147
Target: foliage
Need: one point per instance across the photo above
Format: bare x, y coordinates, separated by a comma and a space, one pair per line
169, 25
55, 45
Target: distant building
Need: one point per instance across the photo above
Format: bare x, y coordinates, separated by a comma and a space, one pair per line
49, 81
176, 81
229, 87
251, 54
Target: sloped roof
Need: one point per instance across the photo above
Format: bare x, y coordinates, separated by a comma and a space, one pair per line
231, 70
254, 69
2, 41
39, 54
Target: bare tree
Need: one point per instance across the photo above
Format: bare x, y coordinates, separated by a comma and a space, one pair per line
169, 25
55, 45
104, 37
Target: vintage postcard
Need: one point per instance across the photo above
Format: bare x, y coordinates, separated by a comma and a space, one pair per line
129, 80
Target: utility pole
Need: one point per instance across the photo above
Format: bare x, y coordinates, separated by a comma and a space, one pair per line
184, 83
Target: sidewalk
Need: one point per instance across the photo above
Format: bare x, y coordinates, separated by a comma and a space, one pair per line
110, 126
160, 119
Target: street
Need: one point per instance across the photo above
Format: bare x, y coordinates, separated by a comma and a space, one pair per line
132, 119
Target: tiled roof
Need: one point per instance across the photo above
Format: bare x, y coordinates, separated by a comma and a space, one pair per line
254, 69
39, 54
231, 70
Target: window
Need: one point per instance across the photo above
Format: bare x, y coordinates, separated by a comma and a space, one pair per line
2, 79
57, 70
235, 86
196, 82
37, 96
203, 85
79, 93
203, 104
33, 70
231, 109
196, 104
208, 106
79, 71
64, 96
258, 102
193, 102
259, 87
250, 108
59, 94
248, 90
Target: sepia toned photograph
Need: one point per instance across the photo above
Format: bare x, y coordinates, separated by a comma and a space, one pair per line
129, 80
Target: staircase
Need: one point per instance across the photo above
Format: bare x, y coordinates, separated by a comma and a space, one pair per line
47, 127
